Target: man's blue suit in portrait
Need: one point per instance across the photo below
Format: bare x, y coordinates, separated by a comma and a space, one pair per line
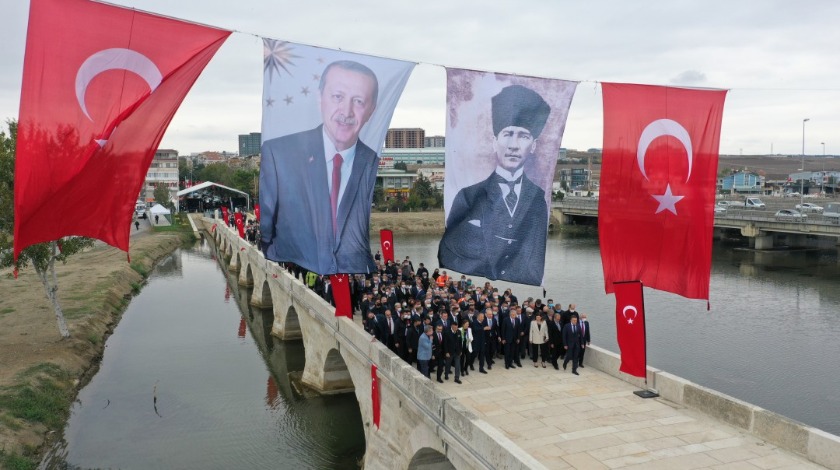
316, 186
296, 217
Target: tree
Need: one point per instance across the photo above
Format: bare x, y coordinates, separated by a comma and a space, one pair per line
163, 196
400, 166
41, 256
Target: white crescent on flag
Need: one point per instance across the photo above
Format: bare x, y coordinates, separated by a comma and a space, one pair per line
624, 313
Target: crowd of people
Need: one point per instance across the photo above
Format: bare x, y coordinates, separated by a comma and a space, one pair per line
450, 327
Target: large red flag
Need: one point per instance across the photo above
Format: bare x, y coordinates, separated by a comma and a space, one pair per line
658, 177
386, 239
630, 327
225, 215
340, 285
374, 392
100, 85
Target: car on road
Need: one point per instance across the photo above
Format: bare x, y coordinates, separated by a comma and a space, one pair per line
727, 204
790, 215
754, 203
808, 207
720, 210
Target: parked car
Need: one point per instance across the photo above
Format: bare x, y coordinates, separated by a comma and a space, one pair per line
808, 207
754, 203
720, 210
790, 215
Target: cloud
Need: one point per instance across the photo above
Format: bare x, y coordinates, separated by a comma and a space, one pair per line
689, 77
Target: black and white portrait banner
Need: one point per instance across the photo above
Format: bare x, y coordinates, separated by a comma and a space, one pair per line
503, 136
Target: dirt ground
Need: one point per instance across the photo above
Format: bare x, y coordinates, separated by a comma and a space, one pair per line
94, 288
430, 222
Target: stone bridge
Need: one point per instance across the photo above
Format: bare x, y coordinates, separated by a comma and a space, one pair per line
421, 426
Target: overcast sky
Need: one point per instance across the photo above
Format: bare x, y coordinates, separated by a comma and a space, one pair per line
779, 59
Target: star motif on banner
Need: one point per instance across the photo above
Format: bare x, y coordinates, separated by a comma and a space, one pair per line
269, 102
288, 99
277, 55
629, 321
667, 201
316, 77
305, 91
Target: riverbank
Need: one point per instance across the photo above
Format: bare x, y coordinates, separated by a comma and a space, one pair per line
422, 223
40, 373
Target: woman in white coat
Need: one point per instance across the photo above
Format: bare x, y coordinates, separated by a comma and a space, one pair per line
538, 338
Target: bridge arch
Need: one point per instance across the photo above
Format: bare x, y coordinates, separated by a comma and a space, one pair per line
246, 275
291, 324
336, 374
429, 459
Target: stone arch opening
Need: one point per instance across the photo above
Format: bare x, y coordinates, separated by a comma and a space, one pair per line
336, 375
248, 280
430, 459
291, 328
265, 300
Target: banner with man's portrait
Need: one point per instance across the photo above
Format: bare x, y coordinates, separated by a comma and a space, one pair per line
503, 135
325, 117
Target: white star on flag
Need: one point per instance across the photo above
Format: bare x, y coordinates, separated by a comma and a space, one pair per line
667, 201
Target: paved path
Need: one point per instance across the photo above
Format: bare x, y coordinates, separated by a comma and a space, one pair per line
594, 421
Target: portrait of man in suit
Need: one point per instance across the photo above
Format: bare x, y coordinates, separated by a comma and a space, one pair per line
497, 227
316, 186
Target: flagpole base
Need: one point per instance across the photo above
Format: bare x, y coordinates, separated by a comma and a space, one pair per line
650, 393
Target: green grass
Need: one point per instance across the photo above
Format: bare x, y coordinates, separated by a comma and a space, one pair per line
141, 270
44, 396
16, 462
6, 310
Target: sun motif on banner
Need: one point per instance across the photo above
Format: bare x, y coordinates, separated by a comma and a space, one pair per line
277, 55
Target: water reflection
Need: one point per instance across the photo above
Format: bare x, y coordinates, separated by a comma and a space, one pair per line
224, 401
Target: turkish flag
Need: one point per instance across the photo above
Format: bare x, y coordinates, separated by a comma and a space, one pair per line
374, 392
225, 215
340, 285
257, 211
630, 327
240, 224
100, 85
386, 239
658, 178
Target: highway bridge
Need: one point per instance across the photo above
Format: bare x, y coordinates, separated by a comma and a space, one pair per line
760, 225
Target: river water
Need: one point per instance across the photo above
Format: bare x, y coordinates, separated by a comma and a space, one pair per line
192, 378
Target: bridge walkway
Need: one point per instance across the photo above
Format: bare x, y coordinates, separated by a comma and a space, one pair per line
594, 421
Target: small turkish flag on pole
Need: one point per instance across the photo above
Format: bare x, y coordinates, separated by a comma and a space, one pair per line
386, 238
374, 392
100, 85
340, 285
630, 327
257, 211
240, 225
225, 214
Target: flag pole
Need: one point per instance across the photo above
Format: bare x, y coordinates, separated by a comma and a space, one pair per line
648, 392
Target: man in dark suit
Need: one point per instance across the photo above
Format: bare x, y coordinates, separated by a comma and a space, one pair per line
497, 228
555, 339
439, 352
479, 344
571, 343
510, 329
316, 186
585, 337
491, 335
453, 347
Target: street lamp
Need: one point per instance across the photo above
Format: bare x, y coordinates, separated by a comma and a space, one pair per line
802, 181
822, 176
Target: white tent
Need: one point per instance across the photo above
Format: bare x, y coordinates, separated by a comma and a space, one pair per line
158, 209
207, 184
